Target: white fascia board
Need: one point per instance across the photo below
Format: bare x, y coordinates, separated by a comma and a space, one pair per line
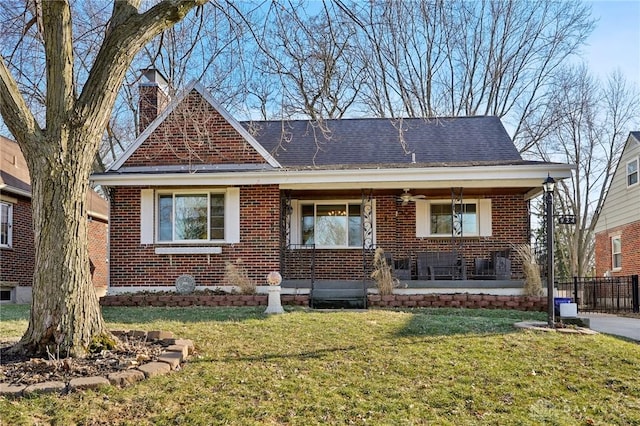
6, 188
430, 177
172, 106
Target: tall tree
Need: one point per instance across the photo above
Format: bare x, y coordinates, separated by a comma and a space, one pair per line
590, 123
455, 57
60, 151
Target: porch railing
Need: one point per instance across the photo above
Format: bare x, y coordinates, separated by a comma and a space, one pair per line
602, 294
299, 262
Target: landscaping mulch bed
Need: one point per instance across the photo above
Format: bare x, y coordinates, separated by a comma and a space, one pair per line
135, 349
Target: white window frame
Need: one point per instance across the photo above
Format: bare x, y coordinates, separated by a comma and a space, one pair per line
483, 218
614, 266
296, 220
9, 242
149, 215
636, 172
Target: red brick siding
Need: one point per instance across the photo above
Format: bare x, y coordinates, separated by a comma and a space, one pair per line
630, 239
16, 263
194, 133
98, 236
152, 102
396, 234
134, 264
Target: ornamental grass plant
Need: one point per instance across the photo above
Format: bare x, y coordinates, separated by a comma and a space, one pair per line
236, 274
530, 269
382, 274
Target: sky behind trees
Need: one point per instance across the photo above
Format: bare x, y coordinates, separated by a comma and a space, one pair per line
615, 42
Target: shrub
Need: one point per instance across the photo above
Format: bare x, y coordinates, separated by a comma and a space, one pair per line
235, 273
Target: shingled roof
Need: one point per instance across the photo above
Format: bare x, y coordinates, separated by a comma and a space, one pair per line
14, 178
376, 141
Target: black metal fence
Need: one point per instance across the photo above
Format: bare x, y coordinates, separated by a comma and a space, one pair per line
602, 294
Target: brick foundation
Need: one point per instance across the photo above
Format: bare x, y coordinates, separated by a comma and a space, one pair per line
459, 300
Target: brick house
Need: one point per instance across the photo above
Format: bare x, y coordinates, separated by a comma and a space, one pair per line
311, 199
617, 232
16, 229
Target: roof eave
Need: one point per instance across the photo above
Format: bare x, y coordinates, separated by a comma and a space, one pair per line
431, 177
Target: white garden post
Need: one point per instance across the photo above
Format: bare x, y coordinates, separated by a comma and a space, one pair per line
274, 306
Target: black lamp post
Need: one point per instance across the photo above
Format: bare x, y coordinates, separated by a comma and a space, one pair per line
549, 185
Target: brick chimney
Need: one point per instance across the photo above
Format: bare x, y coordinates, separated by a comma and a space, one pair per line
153, 91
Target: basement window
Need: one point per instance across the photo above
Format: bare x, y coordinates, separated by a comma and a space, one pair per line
6, 295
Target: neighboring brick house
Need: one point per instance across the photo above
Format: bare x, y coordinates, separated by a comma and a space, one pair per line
16, 229
310, 199
617, 251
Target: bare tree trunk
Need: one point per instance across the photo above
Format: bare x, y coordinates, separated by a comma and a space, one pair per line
65, 315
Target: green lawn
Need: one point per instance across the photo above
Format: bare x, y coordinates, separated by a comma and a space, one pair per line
381, 367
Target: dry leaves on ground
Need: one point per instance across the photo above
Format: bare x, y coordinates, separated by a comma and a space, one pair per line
23, 370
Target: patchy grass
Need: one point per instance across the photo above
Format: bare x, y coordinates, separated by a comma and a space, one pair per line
423, 366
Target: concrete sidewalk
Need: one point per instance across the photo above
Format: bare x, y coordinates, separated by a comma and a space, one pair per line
615, 325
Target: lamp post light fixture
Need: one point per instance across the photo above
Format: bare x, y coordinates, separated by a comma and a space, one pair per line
549, 186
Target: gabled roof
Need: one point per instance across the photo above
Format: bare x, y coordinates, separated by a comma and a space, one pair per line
346, 154
14, 178
14, 174
620, 205
385, 142
198, 87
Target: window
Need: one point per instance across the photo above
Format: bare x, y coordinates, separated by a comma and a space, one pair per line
336, 224
434, 218
6, 224
6, 294
441, 219
190, 217
632, 172
616, 252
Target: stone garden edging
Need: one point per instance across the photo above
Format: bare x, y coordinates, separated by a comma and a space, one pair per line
176, 352
436, 300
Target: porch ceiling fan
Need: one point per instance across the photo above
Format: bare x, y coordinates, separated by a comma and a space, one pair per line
406, 197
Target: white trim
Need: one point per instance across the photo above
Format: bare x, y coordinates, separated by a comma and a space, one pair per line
613, 253
147, 221
6, 188
636, 172
512, 176
9, 243
188, 250
422, 228
232, 216
297, 225
194, 85
483, 218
